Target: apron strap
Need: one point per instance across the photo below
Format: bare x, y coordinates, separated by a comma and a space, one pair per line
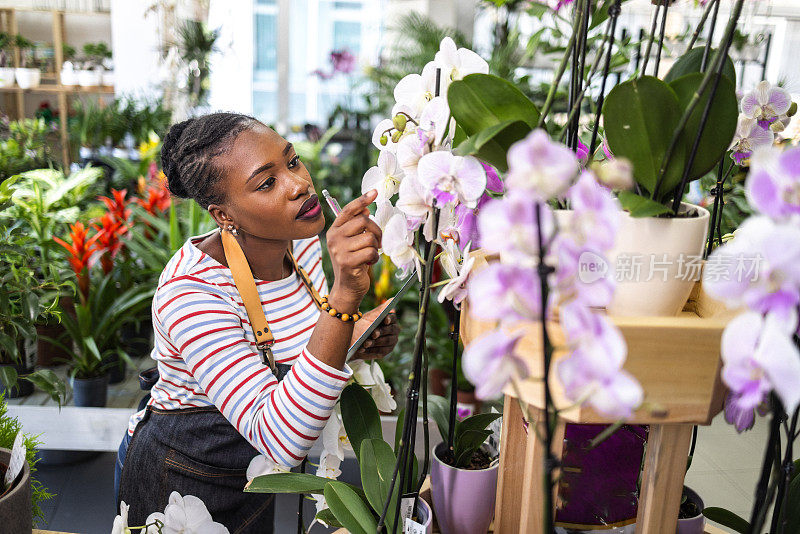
246, 285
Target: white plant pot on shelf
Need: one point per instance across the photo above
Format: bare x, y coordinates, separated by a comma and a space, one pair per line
108, 78
656, 261
69, 77
6, 76
90, 78
27, 77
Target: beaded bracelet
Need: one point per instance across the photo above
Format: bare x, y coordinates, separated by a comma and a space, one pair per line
339, 315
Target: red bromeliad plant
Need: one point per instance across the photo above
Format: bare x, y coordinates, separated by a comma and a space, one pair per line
118, 205
109, 232
156, 201
80, 248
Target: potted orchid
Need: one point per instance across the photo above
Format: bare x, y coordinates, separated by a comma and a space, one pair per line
27, 74
6, 69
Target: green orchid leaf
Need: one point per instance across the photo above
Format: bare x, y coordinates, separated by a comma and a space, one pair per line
8, 376
480, 101
326, 517
728, 519
439, 411
793, 506
377, 467
476, 422
467, 444
287, 483
350, 509
640, 116
692, 60
491, 145
719, 129
639, 206
360, 416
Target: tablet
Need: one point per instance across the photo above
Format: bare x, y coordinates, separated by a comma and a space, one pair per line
374, 324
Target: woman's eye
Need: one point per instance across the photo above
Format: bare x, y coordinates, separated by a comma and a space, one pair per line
294, 162
267, 183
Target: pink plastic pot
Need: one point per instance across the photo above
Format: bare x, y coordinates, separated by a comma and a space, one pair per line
463, 499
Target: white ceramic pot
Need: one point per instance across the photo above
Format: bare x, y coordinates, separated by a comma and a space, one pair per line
6, 76
27, 77
656, 261
108, 78
69, 77
90, 78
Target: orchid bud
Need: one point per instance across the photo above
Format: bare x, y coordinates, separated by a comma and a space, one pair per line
396, 136
399, 122
616, 174
383, 140
792, 109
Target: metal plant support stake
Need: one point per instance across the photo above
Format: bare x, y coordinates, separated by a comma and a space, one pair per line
613, 14
454, 333
661, 36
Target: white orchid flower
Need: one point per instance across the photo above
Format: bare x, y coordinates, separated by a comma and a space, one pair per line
185, 515
121, 521
362, 373
263, 465
381, 392
334, 437
413, 201
415, 90
450, 178
329, 466
384, 177
458, 269
412, 147
398, 244
434, 118
456, 63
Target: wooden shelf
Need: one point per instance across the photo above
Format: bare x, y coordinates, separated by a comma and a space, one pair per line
67, 89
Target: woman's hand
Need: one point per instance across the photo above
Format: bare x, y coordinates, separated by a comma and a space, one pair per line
353, 243
383, 338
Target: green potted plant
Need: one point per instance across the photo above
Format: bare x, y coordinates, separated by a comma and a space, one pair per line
464, 477
20, 504
68, 75
6, 64
27, 74
356, 509
94, 321
91, 72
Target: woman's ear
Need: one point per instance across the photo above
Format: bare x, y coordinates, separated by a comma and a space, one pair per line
220, 216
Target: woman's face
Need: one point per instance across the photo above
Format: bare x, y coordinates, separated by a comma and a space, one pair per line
268, 191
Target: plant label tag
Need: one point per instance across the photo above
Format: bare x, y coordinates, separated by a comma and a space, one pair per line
408, 503
412, 527
493, 442
17, 461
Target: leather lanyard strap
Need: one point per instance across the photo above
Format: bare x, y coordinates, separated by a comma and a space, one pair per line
246, 285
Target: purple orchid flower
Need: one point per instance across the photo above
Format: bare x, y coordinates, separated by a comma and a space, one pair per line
766, 104
490, 363
493, 181
749, 136
773, 186
343, 61
582, 151
743, 418
506, 293
541, 166
449, 178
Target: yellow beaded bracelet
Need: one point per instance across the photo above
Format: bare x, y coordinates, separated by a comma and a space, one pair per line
339, 315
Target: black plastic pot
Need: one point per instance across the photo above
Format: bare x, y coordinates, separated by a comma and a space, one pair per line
23, 387
116, 368
15, 504
138, 338
90, 391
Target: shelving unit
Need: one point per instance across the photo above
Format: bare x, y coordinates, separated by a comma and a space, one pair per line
51, 81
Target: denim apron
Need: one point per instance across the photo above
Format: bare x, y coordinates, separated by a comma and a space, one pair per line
194, 451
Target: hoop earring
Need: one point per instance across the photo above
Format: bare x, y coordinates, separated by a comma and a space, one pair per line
232, 229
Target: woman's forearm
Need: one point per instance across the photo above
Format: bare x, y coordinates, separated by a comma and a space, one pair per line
331, 337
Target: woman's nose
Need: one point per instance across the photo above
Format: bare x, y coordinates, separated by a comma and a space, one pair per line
298, 185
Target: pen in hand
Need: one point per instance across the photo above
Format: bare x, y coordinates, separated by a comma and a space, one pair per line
332, 202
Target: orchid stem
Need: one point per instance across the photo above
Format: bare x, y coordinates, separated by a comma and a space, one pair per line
701, 23
454, 333
562, 67
651, 37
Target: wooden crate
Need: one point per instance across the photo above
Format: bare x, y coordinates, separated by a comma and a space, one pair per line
676, 360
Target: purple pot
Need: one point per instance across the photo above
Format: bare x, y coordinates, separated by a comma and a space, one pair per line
692, 525
463, 499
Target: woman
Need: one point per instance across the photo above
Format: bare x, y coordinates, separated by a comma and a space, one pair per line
217, 403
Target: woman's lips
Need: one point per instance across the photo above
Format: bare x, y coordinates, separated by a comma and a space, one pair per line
310, 209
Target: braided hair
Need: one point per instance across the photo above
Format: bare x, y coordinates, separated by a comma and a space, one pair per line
189, 149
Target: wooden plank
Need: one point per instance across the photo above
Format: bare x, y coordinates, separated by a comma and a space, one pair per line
533, 490
510, 478
662, 480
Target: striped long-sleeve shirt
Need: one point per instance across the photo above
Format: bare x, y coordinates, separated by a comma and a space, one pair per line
206, 353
